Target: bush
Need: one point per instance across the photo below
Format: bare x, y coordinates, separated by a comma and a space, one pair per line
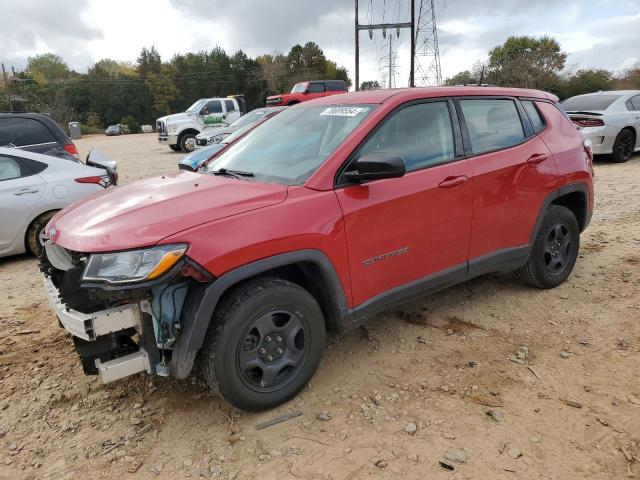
132, 123
90, 129
93, 120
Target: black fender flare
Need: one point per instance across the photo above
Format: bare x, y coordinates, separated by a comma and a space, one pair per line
580, 187
201, 302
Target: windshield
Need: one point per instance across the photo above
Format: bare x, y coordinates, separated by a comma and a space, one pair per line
299, 87
293, 144
249, 118
589, 103
197, 105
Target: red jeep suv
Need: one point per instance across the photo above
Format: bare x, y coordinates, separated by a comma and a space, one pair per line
322, 217
305, 91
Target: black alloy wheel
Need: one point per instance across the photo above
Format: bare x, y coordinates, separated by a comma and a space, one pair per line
624, 146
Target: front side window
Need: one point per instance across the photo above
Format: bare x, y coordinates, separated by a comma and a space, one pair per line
9, 168
299, 87
492, 124
293, 144
229, 106
532, 112
316, 88
420, 134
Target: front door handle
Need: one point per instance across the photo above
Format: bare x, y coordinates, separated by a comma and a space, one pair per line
451, 182
25, 191
537, 158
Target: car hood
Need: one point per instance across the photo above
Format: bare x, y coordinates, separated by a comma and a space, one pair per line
211, 132
143, 213
176, 117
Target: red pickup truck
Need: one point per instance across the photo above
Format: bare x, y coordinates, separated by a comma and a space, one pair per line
303, 91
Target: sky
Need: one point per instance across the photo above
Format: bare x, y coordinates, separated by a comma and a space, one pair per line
594, 33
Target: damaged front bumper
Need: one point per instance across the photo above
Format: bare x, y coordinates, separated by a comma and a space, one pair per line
121, 332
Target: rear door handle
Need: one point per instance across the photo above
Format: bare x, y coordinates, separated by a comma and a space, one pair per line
25, 191
451, 182
537, 158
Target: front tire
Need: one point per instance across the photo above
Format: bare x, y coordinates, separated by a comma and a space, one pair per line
554, 251
188, 142
624, 146
36, 237
264, 343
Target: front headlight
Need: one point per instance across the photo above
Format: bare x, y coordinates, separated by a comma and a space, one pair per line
133, 265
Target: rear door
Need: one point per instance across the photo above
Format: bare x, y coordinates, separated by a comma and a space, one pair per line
513, 173
20, 190
410, 229
212, 113
232, 113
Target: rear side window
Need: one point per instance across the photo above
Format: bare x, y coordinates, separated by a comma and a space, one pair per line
492, 124
316, 88
336, 86
421, 134
10, 168
534, 116
23, 132
229, 106
633, 103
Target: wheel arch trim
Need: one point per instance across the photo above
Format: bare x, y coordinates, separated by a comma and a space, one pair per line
195, 326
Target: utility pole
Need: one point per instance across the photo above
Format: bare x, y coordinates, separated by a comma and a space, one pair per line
390, 62
357, 51
384, 27
412, 71
6, 87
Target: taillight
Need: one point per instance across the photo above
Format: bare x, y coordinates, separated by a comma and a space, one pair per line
71, 148
103, 180
588, 122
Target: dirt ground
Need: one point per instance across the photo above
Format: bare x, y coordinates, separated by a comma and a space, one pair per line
436, 381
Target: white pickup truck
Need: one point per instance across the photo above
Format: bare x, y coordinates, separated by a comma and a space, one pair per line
179, 130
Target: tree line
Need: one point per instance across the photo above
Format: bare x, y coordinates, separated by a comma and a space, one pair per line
137, 93
540, 63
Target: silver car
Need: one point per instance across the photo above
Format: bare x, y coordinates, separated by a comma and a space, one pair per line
33, 187
611, 120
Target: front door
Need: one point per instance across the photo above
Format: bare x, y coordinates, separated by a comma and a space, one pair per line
231, 112
415, 228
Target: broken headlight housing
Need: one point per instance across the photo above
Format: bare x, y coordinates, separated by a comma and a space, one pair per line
133, 265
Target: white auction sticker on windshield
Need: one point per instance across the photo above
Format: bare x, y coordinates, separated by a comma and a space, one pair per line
342, 111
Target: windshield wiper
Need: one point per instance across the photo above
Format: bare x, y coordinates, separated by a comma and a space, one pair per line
232, 173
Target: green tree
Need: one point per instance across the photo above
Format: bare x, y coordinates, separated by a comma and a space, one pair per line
369, 85
132, 123
461, 78
585, 81
47, 67
526, 62
630, 80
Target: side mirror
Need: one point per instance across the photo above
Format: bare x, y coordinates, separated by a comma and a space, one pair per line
376, 166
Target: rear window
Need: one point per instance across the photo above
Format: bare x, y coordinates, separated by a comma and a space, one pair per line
23, 132
229, 106
492, 124
336, 86
589, 103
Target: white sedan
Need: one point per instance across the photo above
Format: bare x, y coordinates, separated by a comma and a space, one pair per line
611, 120
33, 187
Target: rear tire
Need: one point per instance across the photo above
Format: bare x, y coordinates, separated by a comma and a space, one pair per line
624, 146
175, 148
554, 251
264, 343
35, 233
293, 102
188, 142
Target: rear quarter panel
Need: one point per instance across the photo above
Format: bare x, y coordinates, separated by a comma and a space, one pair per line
567, 146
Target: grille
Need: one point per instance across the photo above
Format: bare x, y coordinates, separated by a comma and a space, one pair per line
160, 127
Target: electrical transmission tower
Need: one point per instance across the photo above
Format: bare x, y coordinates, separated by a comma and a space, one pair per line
389, 63
427, 57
